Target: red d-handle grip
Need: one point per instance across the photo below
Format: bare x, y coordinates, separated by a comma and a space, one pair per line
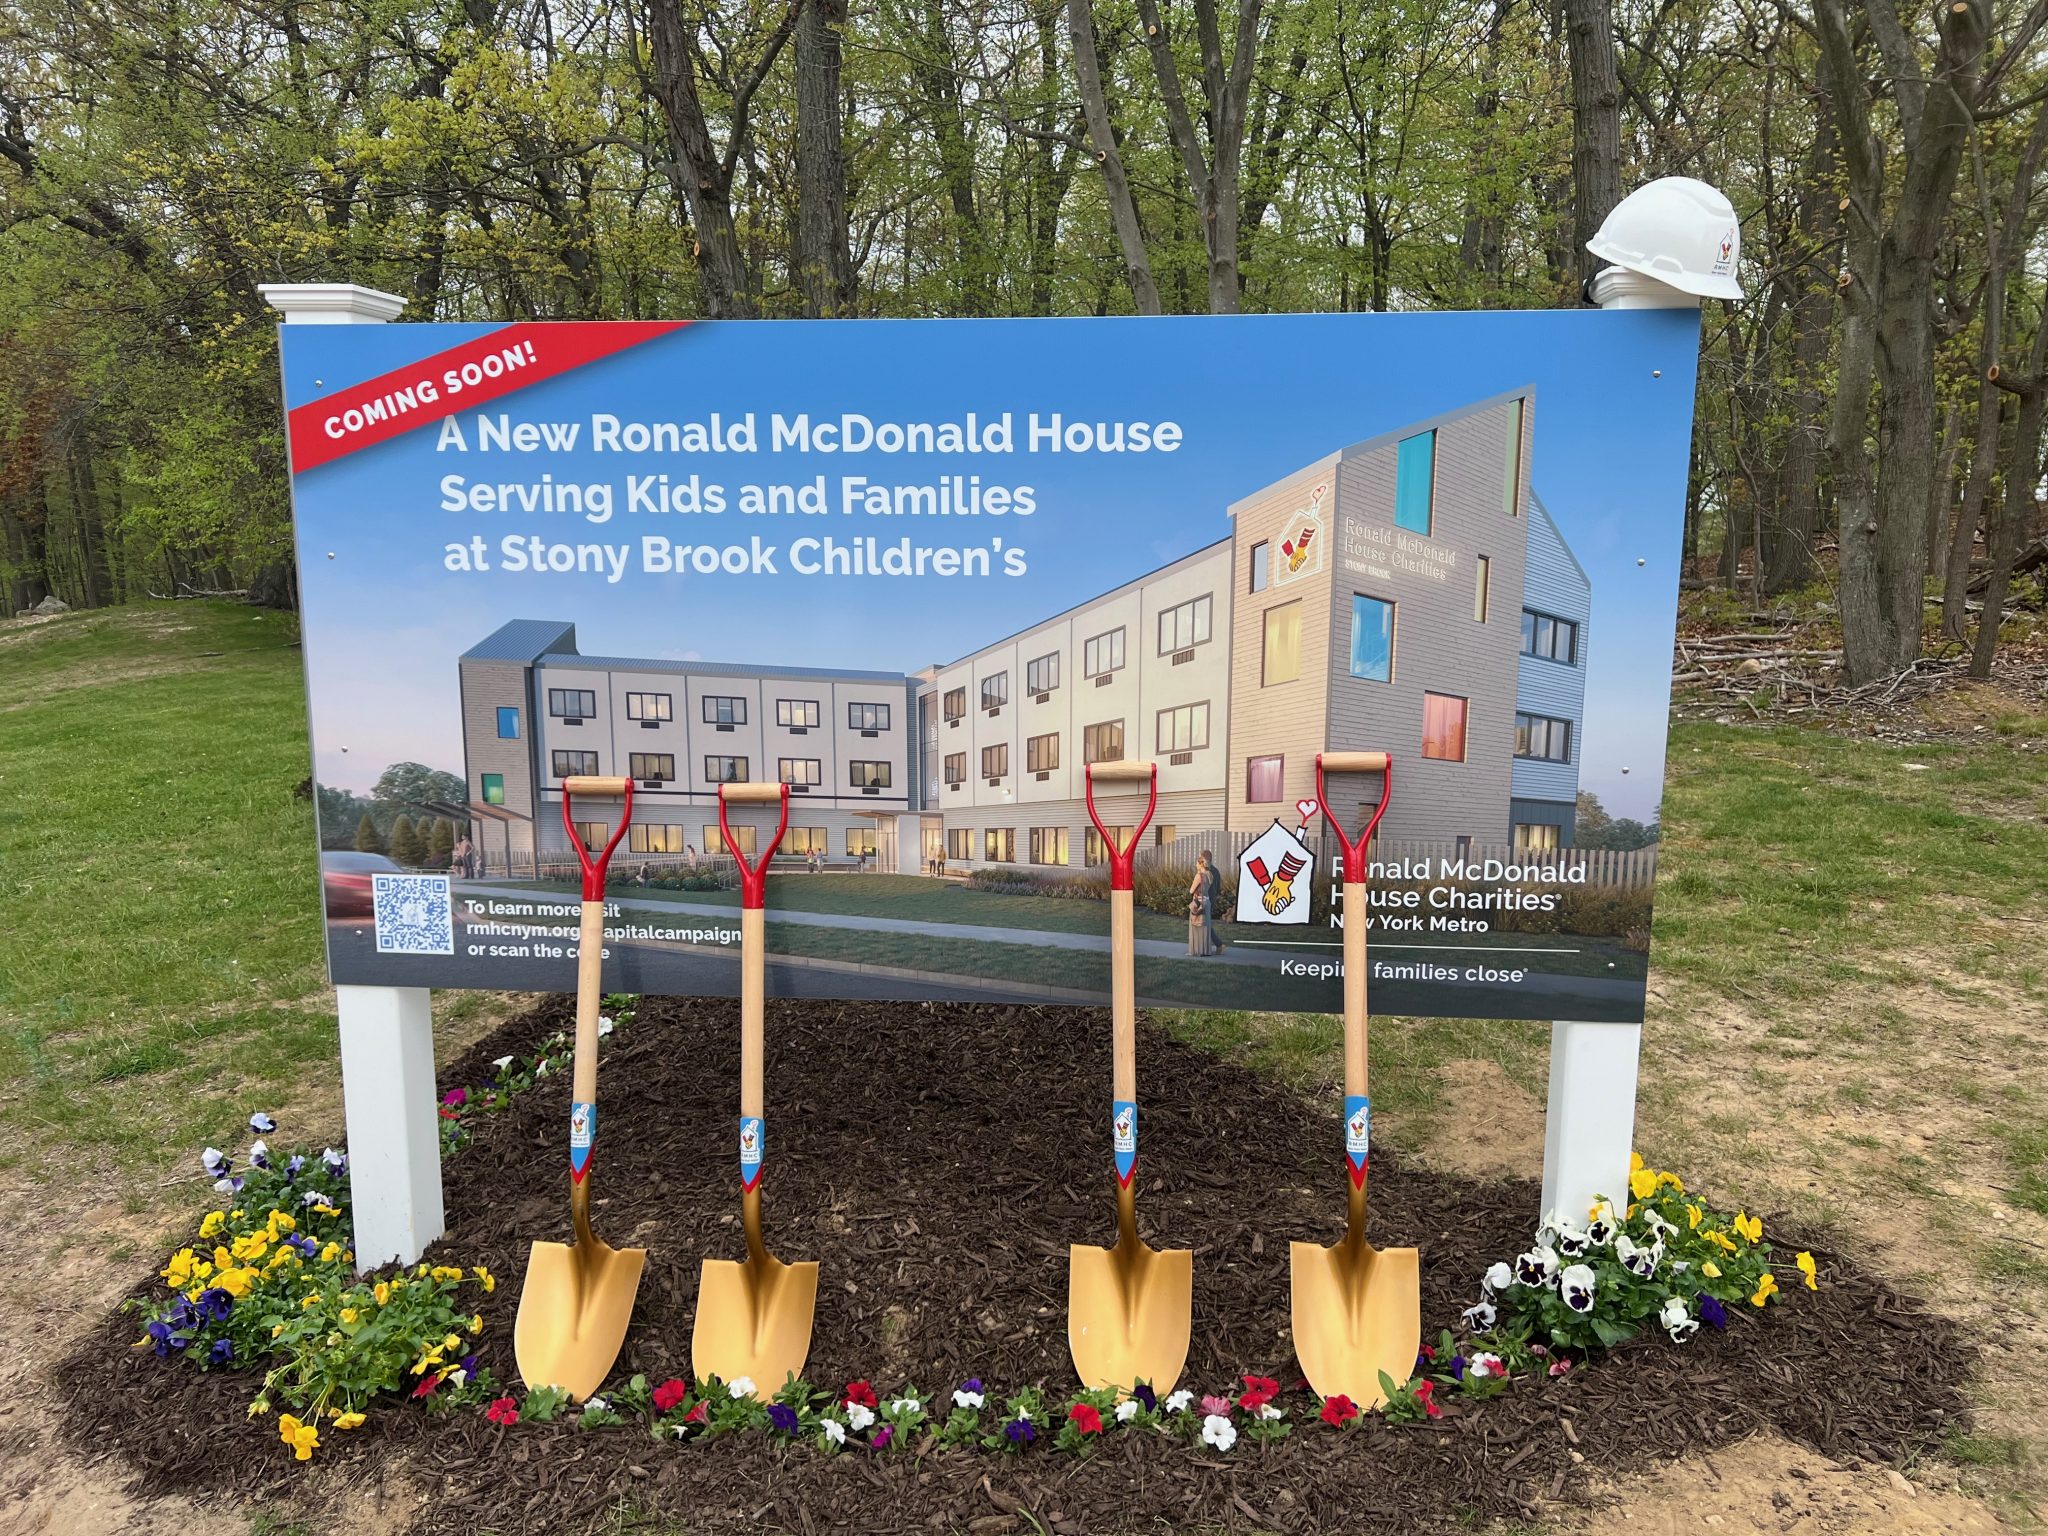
594, 869
754, 881
1354, 853
1120, 859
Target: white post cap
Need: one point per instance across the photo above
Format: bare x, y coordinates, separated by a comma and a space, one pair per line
331, 303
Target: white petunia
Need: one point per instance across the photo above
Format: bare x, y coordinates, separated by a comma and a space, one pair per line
905, 1405
1677, 1321
1483, 1365
859, 1415
680, 1430
1127, 1410
1268, 1411
1497, 1279
1481, 1317
1219, 1432
834, 1430
542, 1069
1576, 1286
742, 1386
604, 1026
502, 1063
1177, 1402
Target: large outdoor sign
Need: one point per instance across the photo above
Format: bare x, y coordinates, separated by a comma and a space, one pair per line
925, 573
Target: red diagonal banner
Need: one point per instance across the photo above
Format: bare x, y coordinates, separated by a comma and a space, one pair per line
473, 374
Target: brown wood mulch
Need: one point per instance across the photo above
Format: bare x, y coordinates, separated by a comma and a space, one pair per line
938, 1160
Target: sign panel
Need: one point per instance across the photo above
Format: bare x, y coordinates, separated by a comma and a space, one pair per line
925, 572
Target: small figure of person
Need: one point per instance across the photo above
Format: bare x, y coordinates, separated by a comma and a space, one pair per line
459, 857
1202, 893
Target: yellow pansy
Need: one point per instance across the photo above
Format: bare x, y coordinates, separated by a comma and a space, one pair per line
427, 1361
382, 1292
451, 1342
1711, 1270
1642, 1183
347, 1420
234, 1215
1693, 1213
235, 1281
1635, 1162
222, 1259
1721, 1240
1750, 1228
179, 1271
304, 1439
348, 1314
484, 1275
277, 1330
211, 1223
309, 1300
324, 1209
1664, 1177
282, 1256
330, 1253
1808, 1269
446, 1272
1766, 1288
476, 1323
283, 1221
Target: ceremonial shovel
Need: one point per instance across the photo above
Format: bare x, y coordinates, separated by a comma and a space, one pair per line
578, 1296
1129, 1308
1357, 1309
753, 1317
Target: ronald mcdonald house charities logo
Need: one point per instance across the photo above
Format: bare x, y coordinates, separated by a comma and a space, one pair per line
1274, 876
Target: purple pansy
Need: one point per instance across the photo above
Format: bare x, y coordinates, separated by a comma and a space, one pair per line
1020, 1432
262, 1124
783, 1417
1146, 1397
215, 1304
1458, 1367
1711, 1311
222, 1352
164, 1339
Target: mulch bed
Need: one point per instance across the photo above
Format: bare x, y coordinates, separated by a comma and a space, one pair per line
938, 1160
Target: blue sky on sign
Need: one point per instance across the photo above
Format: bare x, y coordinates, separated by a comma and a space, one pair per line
1256, 397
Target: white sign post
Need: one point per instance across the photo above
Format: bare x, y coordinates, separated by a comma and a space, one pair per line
387, 1033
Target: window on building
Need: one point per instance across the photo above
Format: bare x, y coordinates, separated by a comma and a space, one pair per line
721, 769
1372, 638
1184, 625
649, 706
995, 691
1549, 638
956, 703
1042, 675
594, 834
655, 837
1482, 589
960, 842
652, 765
494, 789
1048, 845
1165, 834
1104, 653
1259, 566
1000, 846
867, 717
742, 840
570, 763
1097, 851
1264, 780
1184, 728
1281, 661
1102, 743
801, 714
802, 842
860, 841
572, 703
1042, 753
1511, 478
956, 768
1543, 737
1537, 837
1443, 727
508, 722
1415, 483
799, 770
866, 774
995, 760
724, 711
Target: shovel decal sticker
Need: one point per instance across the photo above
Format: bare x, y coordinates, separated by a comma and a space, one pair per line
1357, 1134
751, 1139
582, 1132
1124, 1137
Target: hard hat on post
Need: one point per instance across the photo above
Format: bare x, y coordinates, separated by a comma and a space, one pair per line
1679, 231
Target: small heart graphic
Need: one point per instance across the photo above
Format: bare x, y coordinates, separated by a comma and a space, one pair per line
1307, 808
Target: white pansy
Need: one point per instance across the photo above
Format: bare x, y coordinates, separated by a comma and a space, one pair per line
859, 1415
1177, 1402
742, 1386
1219, 1432
1481, 1317
834, 1430
1639, 1261
1537, 1267
1600, 1224
258, 1150
1571, 1242
962, 1398
596, 1405
224, 1186
1677, 1321
1576, 1286
212, 1158
1657, 1224
1127, 1410
261, 1123
1497, 1279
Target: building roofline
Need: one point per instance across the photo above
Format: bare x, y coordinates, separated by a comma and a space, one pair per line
1563, 543
524, 640
573, 661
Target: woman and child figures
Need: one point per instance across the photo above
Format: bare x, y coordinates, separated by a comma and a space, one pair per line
1203, 892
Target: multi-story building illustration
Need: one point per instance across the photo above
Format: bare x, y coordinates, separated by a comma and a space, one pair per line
1408, 593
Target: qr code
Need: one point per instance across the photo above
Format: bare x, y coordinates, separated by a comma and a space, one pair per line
412, 915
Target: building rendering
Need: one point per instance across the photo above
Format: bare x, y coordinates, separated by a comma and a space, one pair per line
1408, 593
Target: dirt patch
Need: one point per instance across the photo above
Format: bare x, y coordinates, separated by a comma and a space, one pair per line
1487, 1126
938, 1160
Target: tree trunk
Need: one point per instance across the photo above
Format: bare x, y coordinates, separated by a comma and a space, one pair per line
824, 255
1123, 211
1596, 125
2022, 475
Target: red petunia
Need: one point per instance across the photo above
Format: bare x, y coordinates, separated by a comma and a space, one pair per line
1425, 1390
858, 1392
1339, 1410
503, 1410
1435, 1409
1258, 1391
1084, 1418
427, 1385
668, 1394
1428, 1351
698, 1414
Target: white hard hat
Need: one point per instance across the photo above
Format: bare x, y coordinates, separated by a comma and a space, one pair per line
1679, 231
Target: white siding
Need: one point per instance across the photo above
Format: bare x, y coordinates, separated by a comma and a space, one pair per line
1553, 584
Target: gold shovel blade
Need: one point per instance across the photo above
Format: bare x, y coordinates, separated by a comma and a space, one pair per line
1357, 1312
754, 1320
1130, 1310
573, 1314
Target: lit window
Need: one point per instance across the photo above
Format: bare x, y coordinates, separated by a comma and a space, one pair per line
569, 764
1542, 737
1415, 483
1535, 836
720, 769
960, 842
494, 789
1372, 639
594, 834
804, 841
868, 775
800, 713
1102, 743
1443, 727
1097, 851
1282, 661
1264, 780
1048, 845
648, 706
655, 837
508, 723
652, 765
1482, 590
799, 770
742, 839
860, 840
1001, 847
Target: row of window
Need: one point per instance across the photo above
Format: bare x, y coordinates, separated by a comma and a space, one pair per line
1042, 845
581, 704
668, 837
1181, 628
719, 768
1183, 728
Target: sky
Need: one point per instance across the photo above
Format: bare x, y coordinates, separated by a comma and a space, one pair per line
1255, 398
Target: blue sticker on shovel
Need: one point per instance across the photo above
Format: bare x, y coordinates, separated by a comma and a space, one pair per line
1357, 1134
582, 1132
752, 1144
1124, 1136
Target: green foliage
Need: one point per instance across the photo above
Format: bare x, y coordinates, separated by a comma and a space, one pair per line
441, 843
405, 843
368, 838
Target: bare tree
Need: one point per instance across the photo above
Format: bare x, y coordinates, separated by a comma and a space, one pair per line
1596, 123
1123, 209
824, 255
